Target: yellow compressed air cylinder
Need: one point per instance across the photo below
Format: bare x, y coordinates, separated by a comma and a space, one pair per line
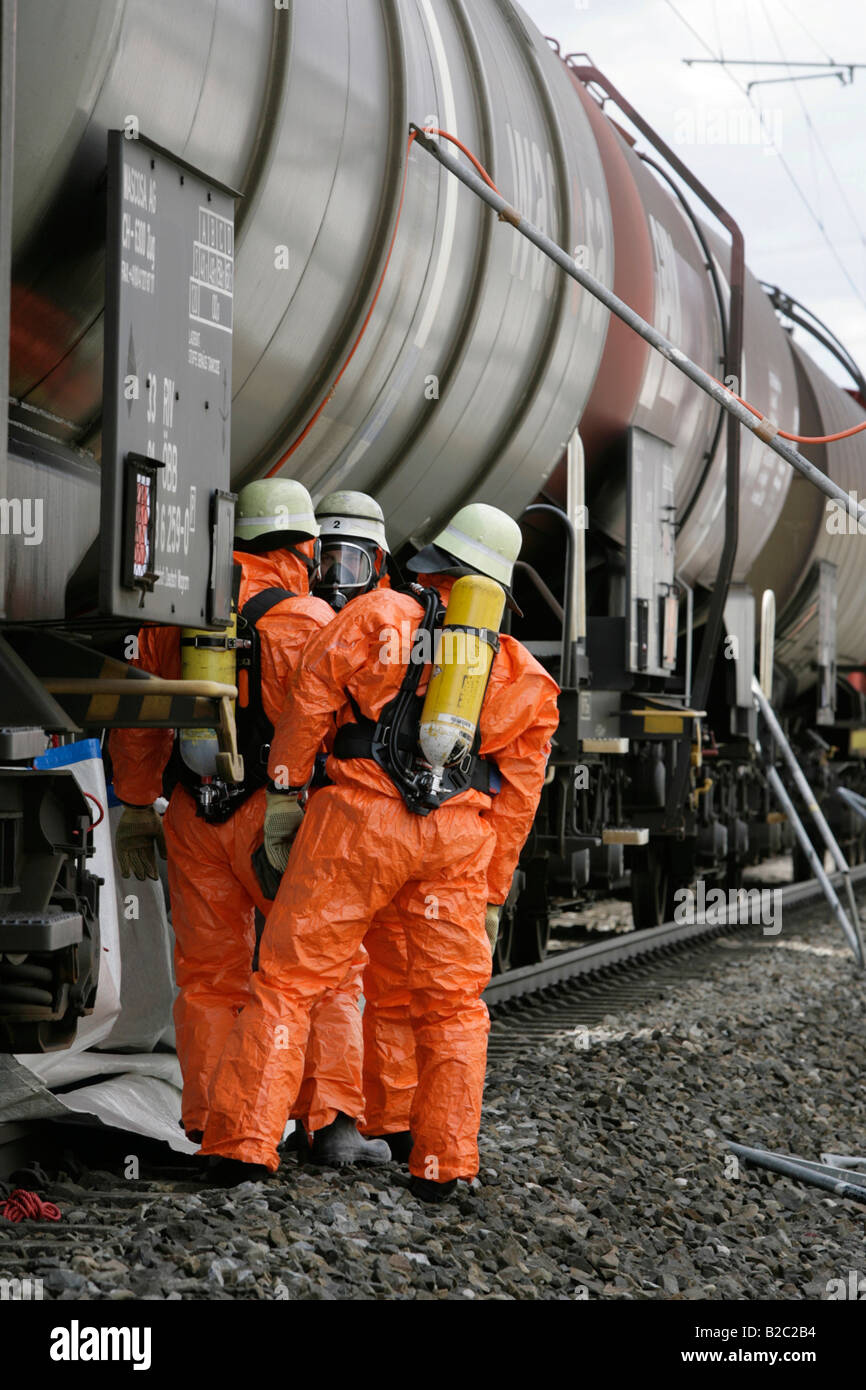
461, 668
212, 660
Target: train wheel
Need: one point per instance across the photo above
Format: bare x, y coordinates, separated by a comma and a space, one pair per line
504, 941
531, 932
734, 874
530, 939
650, 890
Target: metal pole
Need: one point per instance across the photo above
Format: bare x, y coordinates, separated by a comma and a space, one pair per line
690, 611
833, 1169
768, 641
759, 426
777, 1163
856, 802
777, 786
812, 805
566, 665
576, 508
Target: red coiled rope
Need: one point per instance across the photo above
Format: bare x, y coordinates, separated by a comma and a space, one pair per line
28, 1206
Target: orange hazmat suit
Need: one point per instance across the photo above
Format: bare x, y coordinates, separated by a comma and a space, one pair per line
359, 851
213, 887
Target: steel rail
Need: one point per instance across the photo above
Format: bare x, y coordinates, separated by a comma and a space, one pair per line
638, 945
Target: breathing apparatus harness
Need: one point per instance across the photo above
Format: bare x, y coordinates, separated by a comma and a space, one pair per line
392, 740
217, 800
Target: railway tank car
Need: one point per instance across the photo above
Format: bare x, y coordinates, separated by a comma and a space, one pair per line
479, 359
389, 336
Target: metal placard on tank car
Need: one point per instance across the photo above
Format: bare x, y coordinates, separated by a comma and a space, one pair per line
651, 595
169, 312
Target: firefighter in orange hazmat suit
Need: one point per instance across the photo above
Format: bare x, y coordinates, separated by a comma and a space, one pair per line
213, 885
354, 561
361, 848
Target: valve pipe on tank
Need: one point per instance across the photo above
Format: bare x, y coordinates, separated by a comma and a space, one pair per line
768, 641
758, 425
576, 508
566, 666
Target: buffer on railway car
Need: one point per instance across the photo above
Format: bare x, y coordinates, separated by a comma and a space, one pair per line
166, 518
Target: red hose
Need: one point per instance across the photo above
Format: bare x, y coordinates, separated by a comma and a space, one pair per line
797, 438
101, 808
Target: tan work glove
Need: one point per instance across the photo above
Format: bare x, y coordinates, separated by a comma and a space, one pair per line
283, 816
491, 924
139, 835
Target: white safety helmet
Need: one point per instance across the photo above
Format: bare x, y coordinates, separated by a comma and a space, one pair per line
352, 514
479, 540
354, 547
274, 507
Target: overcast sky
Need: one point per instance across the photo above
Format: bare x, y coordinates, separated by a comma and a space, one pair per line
817, 127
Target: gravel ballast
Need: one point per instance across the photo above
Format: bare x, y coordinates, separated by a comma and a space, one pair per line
604, 1170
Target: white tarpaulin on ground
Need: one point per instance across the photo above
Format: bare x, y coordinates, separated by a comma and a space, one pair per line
112, 1071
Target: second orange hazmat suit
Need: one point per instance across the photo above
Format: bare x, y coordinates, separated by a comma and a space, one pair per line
214, 890
359, 850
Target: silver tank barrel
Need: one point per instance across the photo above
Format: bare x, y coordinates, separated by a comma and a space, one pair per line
812, 529
478, 359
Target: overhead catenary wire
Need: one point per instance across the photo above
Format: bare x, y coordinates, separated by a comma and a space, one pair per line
809, 35
814, 137
783, 162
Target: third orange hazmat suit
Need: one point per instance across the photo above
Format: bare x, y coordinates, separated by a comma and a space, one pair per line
213, 887
360, 849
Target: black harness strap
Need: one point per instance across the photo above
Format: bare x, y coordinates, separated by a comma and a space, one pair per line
262, 603
392, 740
255, 730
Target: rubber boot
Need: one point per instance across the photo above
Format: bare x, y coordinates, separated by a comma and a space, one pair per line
230, 1172
297, 1142
339, 1143
429, 1191
400, 1144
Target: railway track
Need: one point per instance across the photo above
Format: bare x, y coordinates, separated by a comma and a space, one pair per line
574, 989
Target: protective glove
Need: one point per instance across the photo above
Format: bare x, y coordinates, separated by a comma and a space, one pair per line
283, 816
139, 835
491, 924
269, 878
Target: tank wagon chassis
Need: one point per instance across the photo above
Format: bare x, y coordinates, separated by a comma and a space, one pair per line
660, 772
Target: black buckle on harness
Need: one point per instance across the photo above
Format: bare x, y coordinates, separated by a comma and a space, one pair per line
484, 634
217, 801
392, 743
